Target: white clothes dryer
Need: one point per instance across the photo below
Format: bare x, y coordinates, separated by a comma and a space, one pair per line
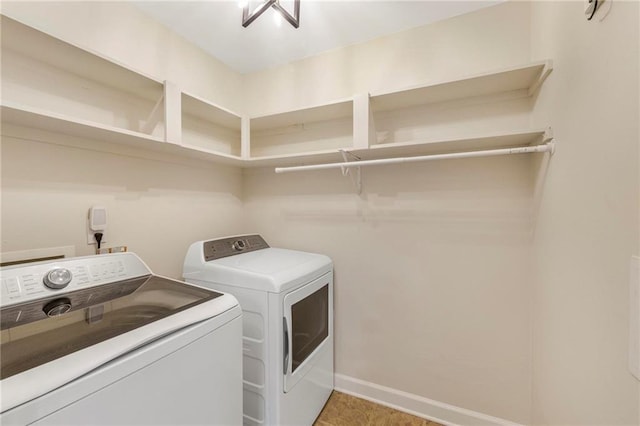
286, 298
100, 340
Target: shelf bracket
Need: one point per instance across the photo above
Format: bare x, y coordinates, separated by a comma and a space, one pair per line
546, 70
154, 117
547, 139
347, 170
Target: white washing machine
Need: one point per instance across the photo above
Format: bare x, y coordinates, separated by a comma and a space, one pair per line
100, 340
287, 303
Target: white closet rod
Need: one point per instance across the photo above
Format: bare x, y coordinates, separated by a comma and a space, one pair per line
546, 147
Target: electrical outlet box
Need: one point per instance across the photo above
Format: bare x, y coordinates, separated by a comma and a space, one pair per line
96, 222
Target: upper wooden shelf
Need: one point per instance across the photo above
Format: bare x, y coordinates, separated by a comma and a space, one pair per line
208, 127
52, 85
460, 144
29, 42
526, 78
487, 141
197, 107
313, 114
311, 157
304, 132
56, 123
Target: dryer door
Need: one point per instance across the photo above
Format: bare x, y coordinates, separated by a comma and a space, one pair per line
307, 327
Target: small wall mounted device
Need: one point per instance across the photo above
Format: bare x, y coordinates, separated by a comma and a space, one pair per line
97, 223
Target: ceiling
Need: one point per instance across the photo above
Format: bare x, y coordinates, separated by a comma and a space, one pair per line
216, 26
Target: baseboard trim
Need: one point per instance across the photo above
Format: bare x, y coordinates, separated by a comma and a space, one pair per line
416, 405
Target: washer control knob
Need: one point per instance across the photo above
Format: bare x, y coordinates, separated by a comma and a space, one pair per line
57, 278
57, 307
239, 245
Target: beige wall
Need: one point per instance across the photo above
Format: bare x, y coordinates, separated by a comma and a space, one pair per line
157, 205
588, 223
432, 261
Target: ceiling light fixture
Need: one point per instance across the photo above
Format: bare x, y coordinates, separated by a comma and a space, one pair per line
277, 17
248, 18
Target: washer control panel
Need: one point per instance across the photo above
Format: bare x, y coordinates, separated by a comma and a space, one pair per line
32, 281
224, 247
57, 278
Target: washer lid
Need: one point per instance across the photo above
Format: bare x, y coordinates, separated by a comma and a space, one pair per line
41, 331
41, 353
270, 269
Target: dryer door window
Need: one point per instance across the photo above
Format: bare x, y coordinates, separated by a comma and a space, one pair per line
307, 327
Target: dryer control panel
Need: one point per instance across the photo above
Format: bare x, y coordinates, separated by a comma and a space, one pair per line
224, 247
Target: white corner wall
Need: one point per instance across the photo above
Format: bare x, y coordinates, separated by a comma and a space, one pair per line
432, 282
588, 223
156, 205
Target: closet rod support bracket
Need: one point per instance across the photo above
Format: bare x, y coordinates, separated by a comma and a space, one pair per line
547, 139
348, 167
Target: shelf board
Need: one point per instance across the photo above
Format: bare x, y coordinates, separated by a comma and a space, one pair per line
286, 128
328, 112
206, 111
194, 151
58, 123
75, 60
409, 149
315, 157
460, 144
32, 118
526, 78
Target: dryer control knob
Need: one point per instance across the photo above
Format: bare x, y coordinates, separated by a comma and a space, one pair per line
57, 278
239, 245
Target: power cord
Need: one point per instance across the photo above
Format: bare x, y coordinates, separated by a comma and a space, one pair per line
98, 237
593, 12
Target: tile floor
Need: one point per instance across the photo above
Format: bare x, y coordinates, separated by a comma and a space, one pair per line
347, 410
